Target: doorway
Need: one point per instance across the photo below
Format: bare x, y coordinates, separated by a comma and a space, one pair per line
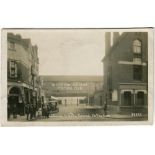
140, 98
127, 98
15, 103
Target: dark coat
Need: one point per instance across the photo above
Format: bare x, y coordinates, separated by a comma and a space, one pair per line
27, 109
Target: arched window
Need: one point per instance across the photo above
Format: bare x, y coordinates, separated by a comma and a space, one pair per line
137, 46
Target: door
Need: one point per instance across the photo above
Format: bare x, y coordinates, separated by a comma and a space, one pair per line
127, 98
140, 98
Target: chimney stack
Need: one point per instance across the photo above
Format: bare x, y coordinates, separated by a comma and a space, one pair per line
115, 37
107, 42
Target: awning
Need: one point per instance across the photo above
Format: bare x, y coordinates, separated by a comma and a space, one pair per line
54, 98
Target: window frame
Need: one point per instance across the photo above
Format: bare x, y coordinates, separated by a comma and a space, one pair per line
12, 47
13, 68
137, 46
140, 98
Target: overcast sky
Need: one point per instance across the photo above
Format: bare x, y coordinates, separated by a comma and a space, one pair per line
68, 52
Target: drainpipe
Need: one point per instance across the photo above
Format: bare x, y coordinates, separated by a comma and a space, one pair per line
134, 100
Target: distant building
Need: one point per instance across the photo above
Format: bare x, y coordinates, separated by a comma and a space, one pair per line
126, 71
72, 89
22, 72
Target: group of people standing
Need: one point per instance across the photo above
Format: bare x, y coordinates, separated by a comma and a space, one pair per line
12, 110
46, 109
33, 113
30, 110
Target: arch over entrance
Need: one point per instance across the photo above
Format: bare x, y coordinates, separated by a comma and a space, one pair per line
14, 90
15, 103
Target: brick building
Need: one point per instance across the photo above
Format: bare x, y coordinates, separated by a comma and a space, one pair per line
22, 72
125, 71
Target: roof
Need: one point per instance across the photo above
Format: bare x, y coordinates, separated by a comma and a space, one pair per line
18, 39
72, 78
116, 43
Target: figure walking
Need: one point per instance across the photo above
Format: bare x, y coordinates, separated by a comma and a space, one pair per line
105, 109
14, 110
34, 110
9, 111
65, 102
27, 110
31, 111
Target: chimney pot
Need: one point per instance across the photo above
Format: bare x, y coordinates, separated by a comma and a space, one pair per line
115, 37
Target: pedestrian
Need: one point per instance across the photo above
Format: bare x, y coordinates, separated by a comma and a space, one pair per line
65, 102
39, 113
48, 111
44, 110
34, 110
9, 111
14, 110
27, 110
105, 109
31, 111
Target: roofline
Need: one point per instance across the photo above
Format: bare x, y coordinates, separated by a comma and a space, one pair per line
115, 44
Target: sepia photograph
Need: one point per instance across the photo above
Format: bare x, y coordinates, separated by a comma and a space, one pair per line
77, 76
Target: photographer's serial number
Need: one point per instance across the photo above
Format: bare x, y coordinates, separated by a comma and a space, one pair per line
136, 114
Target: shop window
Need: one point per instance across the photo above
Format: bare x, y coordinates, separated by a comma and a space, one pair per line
13, 69
127, 98
140, 98
137, 72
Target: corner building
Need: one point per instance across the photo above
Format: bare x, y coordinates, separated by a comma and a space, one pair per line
22, 72
126, 72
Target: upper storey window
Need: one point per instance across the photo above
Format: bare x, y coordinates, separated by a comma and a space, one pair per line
137, 47
12, 46
13, 69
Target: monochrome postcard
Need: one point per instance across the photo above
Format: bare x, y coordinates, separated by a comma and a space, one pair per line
77, 76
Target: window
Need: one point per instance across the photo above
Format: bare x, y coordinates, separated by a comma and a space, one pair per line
114, 95
12, 45
137, 72
13, 69
137, 46
137, 60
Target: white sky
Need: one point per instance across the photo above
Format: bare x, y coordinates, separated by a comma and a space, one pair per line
68, 52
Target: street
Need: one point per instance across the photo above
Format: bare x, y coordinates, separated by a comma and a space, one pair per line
82, 112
